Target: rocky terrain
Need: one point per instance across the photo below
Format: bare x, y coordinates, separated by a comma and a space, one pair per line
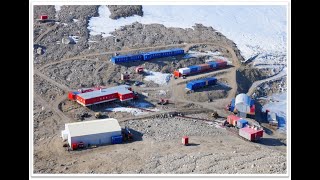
118, 11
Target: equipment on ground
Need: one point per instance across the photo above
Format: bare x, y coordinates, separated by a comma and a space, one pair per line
139, 70
215, 114
126, 134
135, 95
137, 83
163, 101
97, 115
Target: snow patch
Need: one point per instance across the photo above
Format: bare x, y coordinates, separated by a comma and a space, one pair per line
57, 8
134, 111
162, 92
75, 20
157, 77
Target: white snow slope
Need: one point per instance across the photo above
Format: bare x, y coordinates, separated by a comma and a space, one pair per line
257, 30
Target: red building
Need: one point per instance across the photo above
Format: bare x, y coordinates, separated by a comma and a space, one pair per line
97, 96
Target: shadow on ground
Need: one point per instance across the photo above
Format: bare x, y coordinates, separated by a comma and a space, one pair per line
271, 142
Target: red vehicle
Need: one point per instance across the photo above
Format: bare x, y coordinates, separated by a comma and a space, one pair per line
139, 69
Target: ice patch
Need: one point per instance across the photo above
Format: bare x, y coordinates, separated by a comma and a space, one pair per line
133, 111
157, 77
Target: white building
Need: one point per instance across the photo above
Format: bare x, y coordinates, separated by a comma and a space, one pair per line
242, 103
94, 132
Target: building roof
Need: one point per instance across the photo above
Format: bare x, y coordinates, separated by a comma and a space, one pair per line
93, 127
234, 117
243, 121
250, 130
243, 98
122, 89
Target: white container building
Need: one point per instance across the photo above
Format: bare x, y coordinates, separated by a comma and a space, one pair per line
94, 132
184, 71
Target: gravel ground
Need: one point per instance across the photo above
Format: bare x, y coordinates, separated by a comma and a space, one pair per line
157, 149
46, 90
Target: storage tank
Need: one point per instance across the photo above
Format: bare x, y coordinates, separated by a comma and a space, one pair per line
242, 103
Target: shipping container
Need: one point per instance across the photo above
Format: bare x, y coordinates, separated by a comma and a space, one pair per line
116, 139
221, 63
194, 68
44, 17
176, 74
252, 109
184, 71
204, 67
212, 64
197, 84
232, 105
185, 140
242, 123
210, 81
251, 102
232, 119
250, 134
